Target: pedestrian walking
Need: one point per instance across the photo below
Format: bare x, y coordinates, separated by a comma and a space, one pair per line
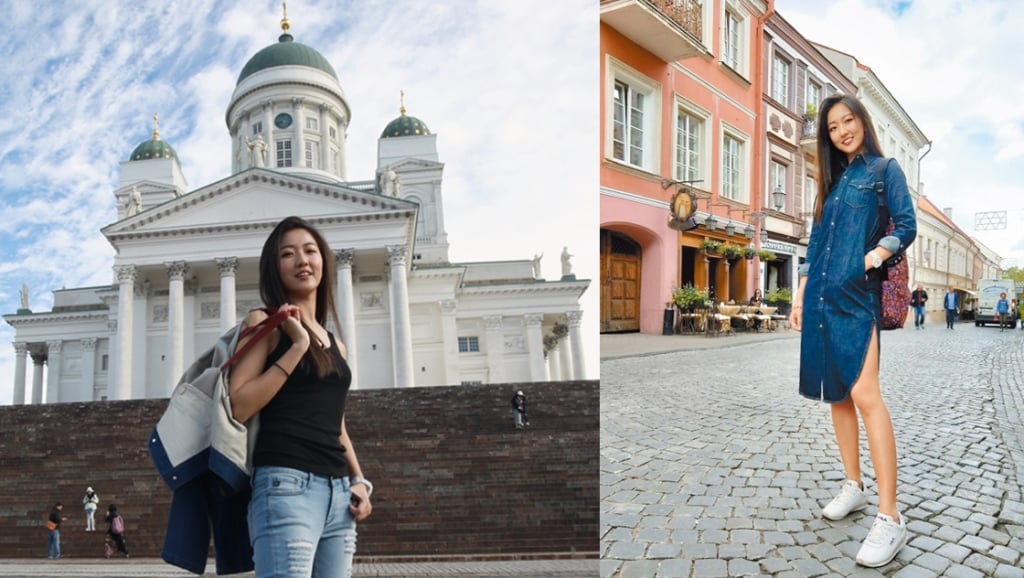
952, 307
53, 523
917, 300
1003, 310
115, 530
297, 379
90, 502
838, 308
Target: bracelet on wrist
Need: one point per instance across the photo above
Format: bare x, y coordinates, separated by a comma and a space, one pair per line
361, 480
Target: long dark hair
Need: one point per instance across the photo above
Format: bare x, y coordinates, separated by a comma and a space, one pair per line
831, 161
273, 293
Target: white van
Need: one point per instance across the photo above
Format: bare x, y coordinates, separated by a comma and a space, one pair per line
988, 295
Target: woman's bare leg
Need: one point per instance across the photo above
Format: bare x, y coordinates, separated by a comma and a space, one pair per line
867, 396
844, 421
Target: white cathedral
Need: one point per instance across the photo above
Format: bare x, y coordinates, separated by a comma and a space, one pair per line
186, 262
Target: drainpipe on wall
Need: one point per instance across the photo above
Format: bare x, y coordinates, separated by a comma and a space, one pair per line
759, 143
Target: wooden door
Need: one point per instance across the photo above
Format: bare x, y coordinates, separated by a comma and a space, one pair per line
620, 283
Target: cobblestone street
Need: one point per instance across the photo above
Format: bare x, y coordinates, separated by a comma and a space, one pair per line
713, 465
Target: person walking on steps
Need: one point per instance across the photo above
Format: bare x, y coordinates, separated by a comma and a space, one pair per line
838, 309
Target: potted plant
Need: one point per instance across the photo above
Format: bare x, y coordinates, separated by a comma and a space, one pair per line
687, 298
710, 245
810, 112
749, 253
781, 298
731, 251
766, 255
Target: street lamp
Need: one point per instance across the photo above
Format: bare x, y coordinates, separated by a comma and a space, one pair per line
764, 235
730, 228
778, 198
711, 222
749, 232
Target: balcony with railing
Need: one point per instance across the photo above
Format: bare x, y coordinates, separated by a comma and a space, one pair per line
669, 29
809, 136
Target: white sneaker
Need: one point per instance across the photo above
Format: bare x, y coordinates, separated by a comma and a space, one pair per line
851, 497
884, 541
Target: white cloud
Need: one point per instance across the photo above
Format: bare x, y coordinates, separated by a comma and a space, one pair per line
508, 87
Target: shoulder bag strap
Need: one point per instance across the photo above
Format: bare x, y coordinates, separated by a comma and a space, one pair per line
261, 330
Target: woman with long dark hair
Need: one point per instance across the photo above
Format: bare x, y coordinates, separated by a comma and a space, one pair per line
838, 308
308, 490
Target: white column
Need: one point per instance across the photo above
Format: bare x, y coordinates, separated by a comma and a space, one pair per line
20, 352
175, 322
450, 339
325, 138
401, 326
37, 377
53, 359
554, 371
87, 391
345, 290
495, 349
564, 359
576, 342
268, 130
125, 304
535, 346
299, 144
227, 267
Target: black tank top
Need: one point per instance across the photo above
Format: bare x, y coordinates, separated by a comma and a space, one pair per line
301, 426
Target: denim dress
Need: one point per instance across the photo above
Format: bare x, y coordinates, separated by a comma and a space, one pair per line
842, 303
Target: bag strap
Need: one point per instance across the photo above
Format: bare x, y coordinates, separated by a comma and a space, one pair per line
261, 330
879, 186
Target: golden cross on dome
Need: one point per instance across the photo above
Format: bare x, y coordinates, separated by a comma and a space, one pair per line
156, 126
285, 25
402, 101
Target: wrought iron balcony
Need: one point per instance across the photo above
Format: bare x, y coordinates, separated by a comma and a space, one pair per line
669, 29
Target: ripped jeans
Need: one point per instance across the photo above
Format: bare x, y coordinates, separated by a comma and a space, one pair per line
300, 524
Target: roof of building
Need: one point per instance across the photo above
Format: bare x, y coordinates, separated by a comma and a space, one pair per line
286, 52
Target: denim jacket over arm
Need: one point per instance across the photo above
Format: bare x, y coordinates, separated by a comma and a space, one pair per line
841, 301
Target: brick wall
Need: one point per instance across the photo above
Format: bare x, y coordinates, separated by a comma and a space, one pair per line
452, 476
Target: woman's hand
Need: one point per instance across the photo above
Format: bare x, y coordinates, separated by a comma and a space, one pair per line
293, 327
796, 317
360, 506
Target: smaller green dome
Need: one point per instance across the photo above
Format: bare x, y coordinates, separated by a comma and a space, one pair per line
153, 148
405, 126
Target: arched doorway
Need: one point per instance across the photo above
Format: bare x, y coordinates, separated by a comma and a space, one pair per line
620, 282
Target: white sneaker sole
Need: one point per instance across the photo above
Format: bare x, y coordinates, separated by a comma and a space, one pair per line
837, 518
895, 553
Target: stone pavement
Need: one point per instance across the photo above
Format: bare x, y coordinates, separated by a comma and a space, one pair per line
713, 465
153, 568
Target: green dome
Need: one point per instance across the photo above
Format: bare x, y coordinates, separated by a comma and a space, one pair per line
405, 126
154, 148
286, 52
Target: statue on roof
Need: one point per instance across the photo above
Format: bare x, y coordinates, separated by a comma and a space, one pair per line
566, 262
257, 151
536, 265
134, 204
24, 296
390, 183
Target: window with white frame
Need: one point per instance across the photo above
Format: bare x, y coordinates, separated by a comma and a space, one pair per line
633, 122
284, 153
732, 40
780, 80
312, 123
257, 127
810, 193
469, 345
777, 181
312, 154
813, 94
733, 161
334, 133
689, 146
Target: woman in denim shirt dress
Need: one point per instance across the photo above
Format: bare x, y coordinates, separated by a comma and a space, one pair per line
838, 309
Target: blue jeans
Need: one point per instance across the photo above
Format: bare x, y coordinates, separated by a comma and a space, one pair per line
950, 318
300, 524
918, 315
53, 549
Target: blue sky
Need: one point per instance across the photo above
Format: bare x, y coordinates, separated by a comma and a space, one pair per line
516, 128
955, 67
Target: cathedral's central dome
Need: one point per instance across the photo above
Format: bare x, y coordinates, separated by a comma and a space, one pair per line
286, 52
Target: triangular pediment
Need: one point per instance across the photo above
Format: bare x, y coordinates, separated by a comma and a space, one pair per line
259, 196
414, 164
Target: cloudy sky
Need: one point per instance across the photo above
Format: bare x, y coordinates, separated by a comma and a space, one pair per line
955, 66
508, 87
